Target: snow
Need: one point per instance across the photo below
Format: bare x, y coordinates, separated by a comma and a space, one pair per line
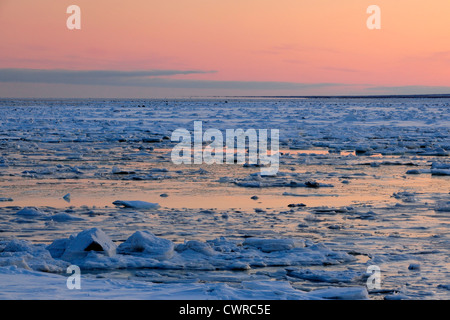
22, 254
24, 284
196, 246
146, 243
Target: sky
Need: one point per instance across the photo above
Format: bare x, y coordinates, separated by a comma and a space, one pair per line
184, 48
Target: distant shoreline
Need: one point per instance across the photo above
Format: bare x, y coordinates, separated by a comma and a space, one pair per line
346, 97
404, 96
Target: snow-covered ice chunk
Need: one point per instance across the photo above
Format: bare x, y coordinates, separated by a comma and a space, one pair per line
116, 170
405, 196
136, 204
89, 240
30, 212
146, 243
414, 171
57, 247
324, 275
414, 266
444, 286
197, 246
67, 197
440, 172
440, 165
281, 180
22, 254
271, 245
17, 246
443, 206
64, 217
396, 296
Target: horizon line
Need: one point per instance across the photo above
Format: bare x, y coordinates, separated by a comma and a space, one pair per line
372, 96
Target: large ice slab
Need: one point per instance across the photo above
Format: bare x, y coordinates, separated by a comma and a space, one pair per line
76, 248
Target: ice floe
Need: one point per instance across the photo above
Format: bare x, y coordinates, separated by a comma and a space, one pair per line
282, 179
136, 204
31, 212
93, 249
76, 248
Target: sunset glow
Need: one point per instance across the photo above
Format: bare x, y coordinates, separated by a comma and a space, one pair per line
288, 41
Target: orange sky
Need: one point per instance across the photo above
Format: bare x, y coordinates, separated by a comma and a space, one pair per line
300, 41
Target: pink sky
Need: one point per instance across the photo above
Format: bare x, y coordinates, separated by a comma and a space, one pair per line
298, 41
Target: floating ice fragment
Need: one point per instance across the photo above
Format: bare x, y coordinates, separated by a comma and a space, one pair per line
414, 171
444, 286
152, 140
136, 204
30, 212
440, 172
324, 275
67, 197
396, 296
271, 245
414, 266
440, 165
443, 207
405, 196
116, 170
64, 217
294, 205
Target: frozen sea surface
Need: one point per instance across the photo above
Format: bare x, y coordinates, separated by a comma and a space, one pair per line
361, 182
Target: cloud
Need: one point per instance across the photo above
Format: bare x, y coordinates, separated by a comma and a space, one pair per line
114, 83
93, 77
151, 78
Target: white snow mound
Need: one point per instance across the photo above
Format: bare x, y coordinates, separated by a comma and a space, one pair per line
89, 240
271, 245
30, 212
147, 243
